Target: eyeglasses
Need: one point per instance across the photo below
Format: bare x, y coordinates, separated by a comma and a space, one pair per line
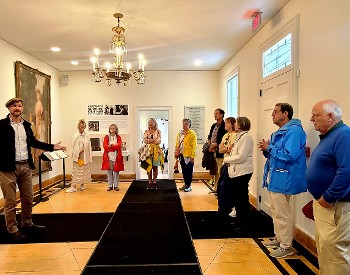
276, 111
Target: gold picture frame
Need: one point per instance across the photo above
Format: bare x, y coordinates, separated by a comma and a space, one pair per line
33, 87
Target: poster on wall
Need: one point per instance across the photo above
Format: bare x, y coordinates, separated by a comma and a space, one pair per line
101, 116
197, 116
33, 87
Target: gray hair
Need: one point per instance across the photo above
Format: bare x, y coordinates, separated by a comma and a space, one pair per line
188, 121
334, 108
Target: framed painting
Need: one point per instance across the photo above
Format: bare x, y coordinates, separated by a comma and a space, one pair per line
33, 87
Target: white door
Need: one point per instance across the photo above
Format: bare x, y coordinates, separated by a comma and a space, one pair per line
163, 116
276, 90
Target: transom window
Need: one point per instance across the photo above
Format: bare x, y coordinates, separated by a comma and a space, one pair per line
278, 56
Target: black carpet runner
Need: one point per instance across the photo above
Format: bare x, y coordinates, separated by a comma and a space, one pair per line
148, 234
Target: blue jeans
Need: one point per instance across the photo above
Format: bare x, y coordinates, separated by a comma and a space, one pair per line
187, 171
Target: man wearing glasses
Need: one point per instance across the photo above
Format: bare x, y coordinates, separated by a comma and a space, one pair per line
284, 175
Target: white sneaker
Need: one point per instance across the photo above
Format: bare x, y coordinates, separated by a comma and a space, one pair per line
71, 190
188, 189
272, 244
82, 188
233, 213
282, 252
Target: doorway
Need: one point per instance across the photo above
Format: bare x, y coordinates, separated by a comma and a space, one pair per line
278, 89
163, 117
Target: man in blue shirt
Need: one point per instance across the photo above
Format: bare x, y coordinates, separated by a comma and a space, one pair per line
328, 179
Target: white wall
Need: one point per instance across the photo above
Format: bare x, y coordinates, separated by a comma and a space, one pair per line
324, 63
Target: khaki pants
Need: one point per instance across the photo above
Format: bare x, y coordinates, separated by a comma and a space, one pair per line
80, 174
333, 238
23, 177
282, 218
219, 162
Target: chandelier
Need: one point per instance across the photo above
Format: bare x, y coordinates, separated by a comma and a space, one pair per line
118, 47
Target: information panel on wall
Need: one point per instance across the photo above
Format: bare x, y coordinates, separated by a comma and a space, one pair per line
101, 116
197, 116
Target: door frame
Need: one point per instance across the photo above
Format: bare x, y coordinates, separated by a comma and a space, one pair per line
293, 27
168, 109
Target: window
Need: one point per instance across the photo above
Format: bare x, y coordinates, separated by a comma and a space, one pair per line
232, 96
278, 56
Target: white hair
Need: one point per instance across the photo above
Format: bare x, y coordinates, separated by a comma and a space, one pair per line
334, 108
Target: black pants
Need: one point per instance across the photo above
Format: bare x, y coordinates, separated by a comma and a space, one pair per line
187, 171
238, 194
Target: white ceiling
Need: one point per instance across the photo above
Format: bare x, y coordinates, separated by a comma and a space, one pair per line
170, 34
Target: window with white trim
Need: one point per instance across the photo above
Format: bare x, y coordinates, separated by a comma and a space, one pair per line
232, 96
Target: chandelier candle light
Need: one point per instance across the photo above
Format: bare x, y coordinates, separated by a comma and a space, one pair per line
115, 71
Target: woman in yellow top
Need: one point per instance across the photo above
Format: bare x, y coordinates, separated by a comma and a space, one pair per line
186, 140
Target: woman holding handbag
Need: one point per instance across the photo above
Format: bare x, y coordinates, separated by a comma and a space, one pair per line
112, 159
186, 145
153, 137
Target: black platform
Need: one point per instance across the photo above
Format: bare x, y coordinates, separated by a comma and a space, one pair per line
148, 234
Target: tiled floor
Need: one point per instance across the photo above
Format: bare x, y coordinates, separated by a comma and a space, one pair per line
216, 257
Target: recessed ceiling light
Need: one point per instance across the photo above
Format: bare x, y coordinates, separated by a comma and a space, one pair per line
74, 62
55, 49
198, 62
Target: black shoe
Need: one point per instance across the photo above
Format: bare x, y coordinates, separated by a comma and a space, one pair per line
18, 237
33, 229
109, 189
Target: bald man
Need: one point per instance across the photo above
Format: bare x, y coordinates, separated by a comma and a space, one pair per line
328, 178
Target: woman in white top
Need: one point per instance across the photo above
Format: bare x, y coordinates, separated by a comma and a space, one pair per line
240, 170
81, 156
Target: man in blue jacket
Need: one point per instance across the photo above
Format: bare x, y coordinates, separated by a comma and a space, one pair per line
16, 164
284, 175
328, 179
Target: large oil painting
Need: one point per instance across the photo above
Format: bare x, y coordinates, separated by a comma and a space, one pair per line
33, 87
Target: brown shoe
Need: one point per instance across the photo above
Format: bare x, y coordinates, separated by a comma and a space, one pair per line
116, 188
109, 189
18, 237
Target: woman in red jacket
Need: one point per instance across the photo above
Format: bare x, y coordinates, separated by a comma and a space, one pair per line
112, 159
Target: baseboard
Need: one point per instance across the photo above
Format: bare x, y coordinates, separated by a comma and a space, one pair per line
195, 176
306, 241
122, 177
